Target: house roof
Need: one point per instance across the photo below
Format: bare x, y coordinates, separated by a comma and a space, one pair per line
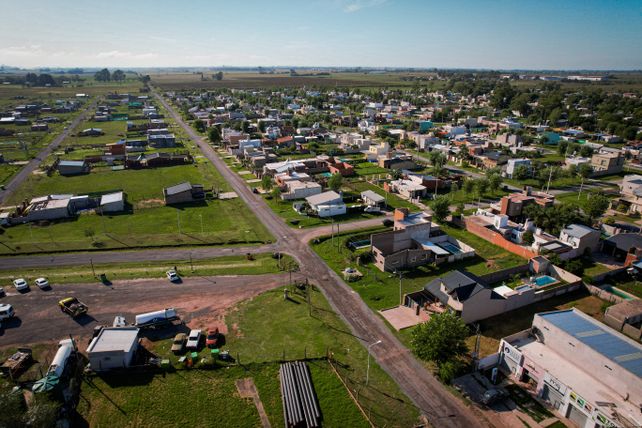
626, 241
323, 198
374, 197
71, 163
578, 230
458, 284
179, 188
114, 339
601, 339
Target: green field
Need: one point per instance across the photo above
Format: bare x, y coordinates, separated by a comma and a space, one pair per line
148, 400
228, 265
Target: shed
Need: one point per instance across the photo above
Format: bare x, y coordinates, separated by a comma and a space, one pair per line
70, 167
112, 202
113, 348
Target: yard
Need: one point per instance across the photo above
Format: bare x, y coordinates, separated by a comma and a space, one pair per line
148, 400
380, 290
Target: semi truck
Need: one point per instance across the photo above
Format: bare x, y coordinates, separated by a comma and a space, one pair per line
154, 319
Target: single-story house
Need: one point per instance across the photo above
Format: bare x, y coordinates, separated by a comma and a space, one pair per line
372, 199
327, 204
183, 192
113, 348
69, 167
91, 132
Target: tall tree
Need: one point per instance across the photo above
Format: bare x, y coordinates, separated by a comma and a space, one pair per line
102, 75
440, 339
335, 182
440, 208
118, 76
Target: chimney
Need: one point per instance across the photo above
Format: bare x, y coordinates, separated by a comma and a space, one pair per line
400, 214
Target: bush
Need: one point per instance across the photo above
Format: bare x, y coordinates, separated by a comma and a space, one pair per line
449, 370
388, 223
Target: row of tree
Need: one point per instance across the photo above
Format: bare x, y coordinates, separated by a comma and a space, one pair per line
105, 76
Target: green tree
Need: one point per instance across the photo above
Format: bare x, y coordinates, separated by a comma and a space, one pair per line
218, 76
521, 172
335, 182
276, 192
481, 186
118, 76
440, 208
596, 206
102, 75
199, 125
214, 134
468, 186
441, 339
585, 170
528, 238
494, 182
266, 182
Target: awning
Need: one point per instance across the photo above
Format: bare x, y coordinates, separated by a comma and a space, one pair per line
429, 245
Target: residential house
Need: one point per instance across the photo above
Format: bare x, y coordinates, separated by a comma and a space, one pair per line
112, 202
624, 247
631, 193
373, 199
161, 140
183, 193
70, 167
415, 241
300, 189
327, 204
508, 140
581, 238
607, 162
397, 162
343, 168
513, 205
377, 150
91, 132
513, 164
411, 188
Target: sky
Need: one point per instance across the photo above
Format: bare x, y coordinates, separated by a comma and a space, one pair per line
501, 34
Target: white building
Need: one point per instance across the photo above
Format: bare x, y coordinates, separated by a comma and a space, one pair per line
583, 369
297, 189
512, 165
113, 348
327, 204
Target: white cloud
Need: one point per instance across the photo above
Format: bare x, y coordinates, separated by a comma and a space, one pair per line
357, 5
126, 55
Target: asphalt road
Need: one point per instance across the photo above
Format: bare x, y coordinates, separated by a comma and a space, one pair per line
192, 298
428, 394
22, 175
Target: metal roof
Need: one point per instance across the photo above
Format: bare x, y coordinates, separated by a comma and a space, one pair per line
114, 339
179, 188
597, 336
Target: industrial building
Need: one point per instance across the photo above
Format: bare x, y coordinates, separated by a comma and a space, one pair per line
586, 371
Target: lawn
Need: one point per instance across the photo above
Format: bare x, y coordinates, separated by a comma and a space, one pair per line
228, 265
146, 400
369, 168
380, 290
149, 223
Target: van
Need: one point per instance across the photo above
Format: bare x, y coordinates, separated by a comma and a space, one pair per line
6, 311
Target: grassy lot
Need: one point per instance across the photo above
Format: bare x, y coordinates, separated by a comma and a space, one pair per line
292, 333
369, 168
624, 282
380, 290
7, 171
227, 265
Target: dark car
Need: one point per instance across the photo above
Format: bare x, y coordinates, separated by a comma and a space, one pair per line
493, 396
211, 340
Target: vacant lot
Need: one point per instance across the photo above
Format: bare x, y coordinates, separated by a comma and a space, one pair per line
148, 400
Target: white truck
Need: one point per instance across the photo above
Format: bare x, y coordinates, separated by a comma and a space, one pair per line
157, 318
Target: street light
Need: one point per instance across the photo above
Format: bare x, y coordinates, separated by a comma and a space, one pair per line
368, 369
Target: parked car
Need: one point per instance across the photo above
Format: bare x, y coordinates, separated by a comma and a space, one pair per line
493, 395
42, 283
21, 284
178, 345
73, 307
172, 275
2, 293
194, 339
211, 340
6, 312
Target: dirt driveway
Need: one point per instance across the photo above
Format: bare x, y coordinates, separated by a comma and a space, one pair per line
200, 301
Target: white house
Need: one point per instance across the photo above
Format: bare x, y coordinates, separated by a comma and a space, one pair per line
376, 150
300, 189
512, 165
327, 204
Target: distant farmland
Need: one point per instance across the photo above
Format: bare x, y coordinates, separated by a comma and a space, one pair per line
256, 80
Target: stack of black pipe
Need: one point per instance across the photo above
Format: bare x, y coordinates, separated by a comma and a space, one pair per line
300, 405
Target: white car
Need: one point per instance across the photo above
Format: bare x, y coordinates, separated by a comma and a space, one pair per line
194, 339
6, 311
20, 284
42, 283
172, 275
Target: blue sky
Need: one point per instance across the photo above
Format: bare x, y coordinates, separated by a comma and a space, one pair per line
537, 34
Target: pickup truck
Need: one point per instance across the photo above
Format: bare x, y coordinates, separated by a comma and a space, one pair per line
73, 307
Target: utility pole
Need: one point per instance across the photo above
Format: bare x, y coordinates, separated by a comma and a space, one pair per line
400, 297
550, 176
91, 261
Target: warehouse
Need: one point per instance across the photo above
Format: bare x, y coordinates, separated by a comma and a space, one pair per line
113, 348
583, 369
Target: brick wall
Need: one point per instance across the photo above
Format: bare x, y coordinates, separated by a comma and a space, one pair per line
497, 239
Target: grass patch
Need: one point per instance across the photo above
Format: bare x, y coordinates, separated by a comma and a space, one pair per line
187, 396
228, 265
